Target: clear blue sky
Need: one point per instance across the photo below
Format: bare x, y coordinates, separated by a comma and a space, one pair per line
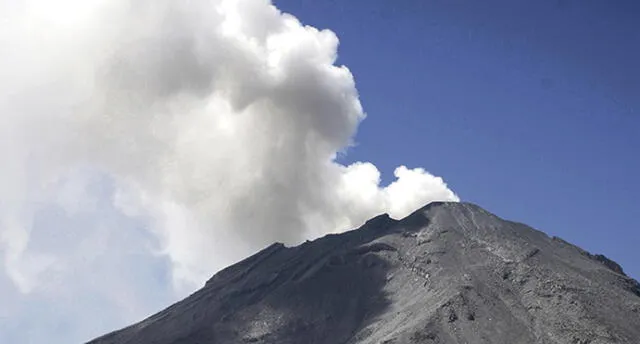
530, 109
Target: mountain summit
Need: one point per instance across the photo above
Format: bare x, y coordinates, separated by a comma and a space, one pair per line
448, 273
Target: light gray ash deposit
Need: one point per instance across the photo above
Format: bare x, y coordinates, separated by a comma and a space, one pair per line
448, 273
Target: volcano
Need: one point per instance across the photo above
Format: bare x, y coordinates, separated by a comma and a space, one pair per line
448, 273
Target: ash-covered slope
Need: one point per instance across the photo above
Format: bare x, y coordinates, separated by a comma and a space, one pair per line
448, 273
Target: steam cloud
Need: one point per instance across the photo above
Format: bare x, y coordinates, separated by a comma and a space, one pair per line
209, 128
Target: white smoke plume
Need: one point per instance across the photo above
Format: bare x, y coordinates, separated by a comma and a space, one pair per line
207, 128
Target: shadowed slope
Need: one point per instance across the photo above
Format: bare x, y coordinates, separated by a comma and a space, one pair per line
448, 273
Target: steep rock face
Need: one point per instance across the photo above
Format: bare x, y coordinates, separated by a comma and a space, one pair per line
448, 273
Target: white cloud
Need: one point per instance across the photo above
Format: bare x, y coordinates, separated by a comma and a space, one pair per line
185, 134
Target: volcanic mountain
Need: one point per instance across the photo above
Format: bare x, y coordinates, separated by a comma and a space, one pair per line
448, 273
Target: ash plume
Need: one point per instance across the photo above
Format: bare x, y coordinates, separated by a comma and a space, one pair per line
212, 125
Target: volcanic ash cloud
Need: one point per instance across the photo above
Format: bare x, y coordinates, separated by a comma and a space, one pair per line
215, 123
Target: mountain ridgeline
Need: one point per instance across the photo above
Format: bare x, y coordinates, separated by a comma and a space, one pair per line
448, 273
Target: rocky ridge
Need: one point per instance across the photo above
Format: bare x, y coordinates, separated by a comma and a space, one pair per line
448, 273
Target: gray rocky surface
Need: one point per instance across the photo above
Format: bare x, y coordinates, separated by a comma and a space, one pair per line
448, 273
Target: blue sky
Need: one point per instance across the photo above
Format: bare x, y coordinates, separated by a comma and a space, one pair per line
530, 109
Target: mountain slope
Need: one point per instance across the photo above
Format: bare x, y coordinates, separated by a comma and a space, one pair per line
448, 273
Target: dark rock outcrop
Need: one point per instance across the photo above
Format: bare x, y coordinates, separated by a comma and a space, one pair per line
448, 273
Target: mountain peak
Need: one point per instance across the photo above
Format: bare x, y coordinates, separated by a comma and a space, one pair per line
447, 273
